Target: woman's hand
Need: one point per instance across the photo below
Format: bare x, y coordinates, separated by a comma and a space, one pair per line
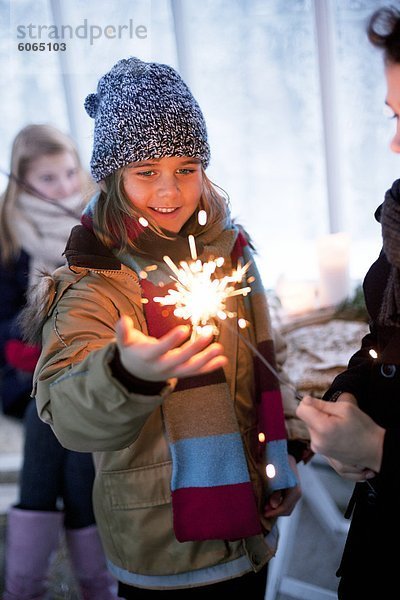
172, 355
344, 433
351, 472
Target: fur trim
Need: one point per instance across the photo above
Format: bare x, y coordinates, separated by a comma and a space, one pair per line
34, 315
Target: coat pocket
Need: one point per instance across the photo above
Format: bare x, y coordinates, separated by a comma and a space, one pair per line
134, 515
138, 488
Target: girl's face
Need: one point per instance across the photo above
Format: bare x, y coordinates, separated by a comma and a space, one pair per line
392, 74
56, 176
166, 189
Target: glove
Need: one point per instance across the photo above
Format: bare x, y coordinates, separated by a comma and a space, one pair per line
21, 356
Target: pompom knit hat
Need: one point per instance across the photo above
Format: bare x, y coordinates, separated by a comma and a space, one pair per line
141, 111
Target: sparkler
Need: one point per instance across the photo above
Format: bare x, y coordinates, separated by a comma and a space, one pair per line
200, 296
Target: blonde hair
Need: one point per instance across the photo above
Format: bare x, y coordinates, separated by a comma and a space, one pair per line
30, 143
114, 209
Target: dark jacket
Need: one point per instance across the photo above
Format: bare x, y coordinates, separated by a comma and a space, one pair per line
15, 385
375, 382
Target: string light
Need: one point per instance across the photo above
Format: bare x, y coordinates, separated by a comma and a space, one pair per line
202, 217
270, 470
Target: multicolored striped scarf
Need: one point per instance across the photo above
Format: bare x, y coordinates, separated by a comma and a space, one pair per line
212, 494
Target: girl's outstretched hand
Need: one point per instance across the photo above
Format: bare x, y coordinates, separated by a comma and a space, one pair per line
171, 355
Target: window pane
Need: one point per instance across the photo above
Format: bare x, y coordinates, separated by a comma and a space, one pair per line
31, 80
253, 66
254, 73
368, 165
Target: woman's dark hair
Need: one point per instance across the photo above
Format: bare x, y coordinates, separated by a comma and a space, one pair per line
383, 30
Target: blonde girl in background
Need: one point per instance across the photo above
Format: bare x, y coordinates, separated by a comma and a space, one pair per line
43, 200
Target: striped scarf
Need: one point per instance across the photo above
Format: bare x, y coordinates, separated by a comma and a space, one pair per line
212, 494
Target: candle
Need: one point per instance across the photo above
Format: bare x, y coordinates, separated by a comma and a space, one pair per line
333, 252
296, 297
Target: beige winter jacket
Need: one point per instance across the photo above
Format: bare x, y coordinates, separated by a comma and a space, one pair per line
91, 410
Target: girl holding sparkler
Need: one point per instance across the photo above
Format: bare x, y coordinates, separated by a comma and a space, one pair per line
43, 200
360, 432
182, 429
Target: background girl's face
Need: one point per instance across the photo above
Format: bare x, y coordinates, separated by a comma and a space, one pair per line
392, 74
168, 189
56, 176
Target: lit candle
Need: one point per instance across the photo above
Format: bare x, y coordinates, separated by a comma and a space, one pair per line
296, 297
333, 260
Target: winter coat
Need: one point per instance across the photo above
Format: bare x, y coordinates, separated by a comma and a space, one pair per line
93, 406
375, 382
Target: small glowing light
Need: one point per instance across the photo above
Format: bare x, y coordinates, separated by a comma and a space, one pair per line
151, 268
373, 353
192, 246
202, 217
242, 323
145, 300
144, 222
270, 470
261, 437
143, 275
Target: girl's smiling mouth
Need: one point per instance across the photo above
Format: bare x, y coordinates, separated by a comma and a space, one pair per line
164, 210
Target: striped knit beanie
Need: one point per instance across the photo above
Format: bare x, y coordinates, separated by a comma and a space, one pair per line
142, 111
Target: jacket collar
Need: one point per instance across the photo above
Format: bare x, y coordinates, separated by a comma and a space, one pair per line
83, 249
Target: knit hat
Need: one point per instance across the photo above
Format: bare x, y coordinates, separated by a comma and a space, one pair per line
142, 111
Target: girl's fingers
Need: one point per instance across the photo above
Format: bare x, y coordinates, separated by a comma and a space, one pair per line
172, 355
170, 340
127, 335
123, 331
171, 344
185, 352
202, 362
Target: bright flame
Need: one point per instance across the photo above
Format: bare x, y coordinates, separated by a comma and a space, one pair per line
270, 470
261, 437
373, 353
200, 295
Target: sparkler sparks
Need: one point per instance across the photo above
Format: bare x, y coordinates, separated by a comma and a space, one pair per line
200, 295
